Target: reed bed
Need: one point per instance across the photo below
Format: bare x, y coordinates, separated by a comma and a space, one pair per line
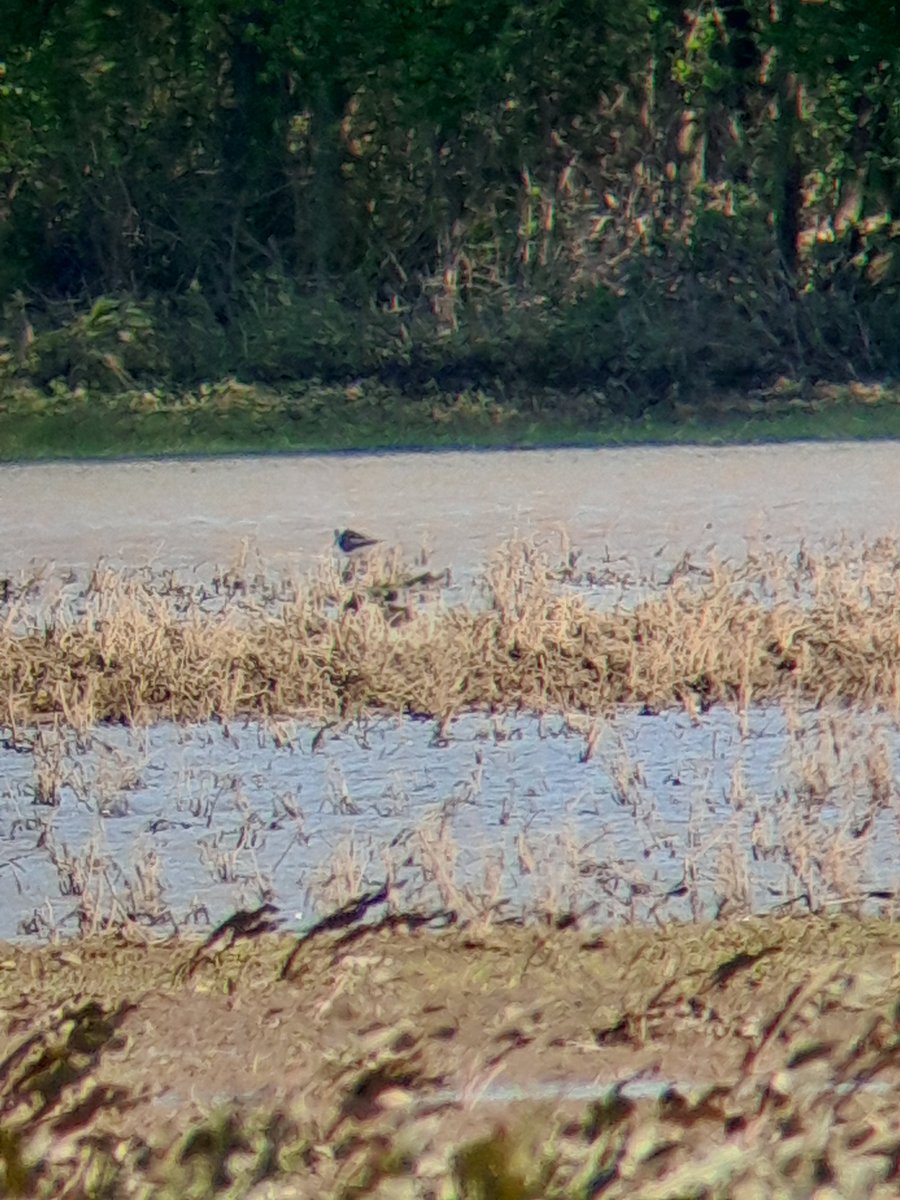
379, 636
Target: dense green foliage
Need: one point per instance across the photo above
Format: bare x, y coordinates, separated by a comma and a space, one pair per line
647, 199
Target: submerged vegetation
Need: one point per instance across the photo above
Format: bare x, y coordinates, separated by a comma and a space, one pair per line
368, 653
421, 1036
152, 837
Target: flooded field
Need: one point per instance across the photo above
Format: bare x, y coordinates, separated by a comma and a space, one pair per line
642, 506
562, 867
664, 817
670, 807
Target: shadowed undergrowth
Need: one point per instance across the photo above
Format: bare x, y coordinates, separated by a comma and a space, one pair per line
379, 636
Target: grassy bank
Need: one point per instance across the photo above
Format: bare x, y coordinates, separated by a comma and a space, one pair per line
130, 378
232, 417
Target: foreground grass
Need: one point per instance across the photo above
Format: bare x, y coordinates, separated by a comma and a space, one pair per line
377, 637
368, 1061
230, 417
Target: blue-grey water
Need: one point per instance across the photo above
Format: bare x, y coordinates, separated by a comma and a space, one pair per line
668, 817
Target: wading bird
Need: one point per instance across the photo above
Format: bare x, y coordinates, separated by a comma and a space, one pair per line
350, 541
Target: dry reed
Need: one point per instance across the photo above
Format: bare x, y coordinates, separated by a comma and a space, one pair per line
377, 638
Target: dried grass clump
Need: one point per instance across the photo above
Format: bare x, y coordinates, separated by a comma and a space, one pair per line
382, 638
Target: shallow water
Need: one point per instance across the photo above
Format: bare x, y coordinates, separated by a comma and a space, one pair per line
668, 818
645, 506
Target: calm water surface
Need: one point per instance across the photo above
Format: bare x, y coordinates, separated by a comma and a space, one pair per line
646, 504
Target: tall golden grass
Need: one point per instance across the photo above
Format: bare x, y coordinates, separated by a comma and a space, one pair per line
377, 637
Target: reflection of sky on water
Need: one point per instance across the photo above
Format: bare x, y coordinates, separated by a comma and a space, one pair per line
644, 506
661, 801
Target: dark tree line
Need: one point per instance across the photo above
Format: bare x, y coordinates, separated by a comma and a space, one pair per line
583, 179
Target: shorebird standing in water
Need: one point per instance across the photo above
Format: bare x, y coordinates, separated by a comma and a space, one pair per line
350, 541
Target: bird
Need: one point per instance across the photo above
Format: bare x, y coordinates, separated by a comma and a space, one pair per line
350, 541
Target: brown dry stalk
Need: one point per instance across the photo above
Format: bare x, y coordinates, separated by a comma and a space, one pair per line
341, 646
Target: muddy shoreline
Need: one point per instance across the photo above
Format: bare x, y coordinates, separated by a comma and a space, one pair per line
499, 1032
